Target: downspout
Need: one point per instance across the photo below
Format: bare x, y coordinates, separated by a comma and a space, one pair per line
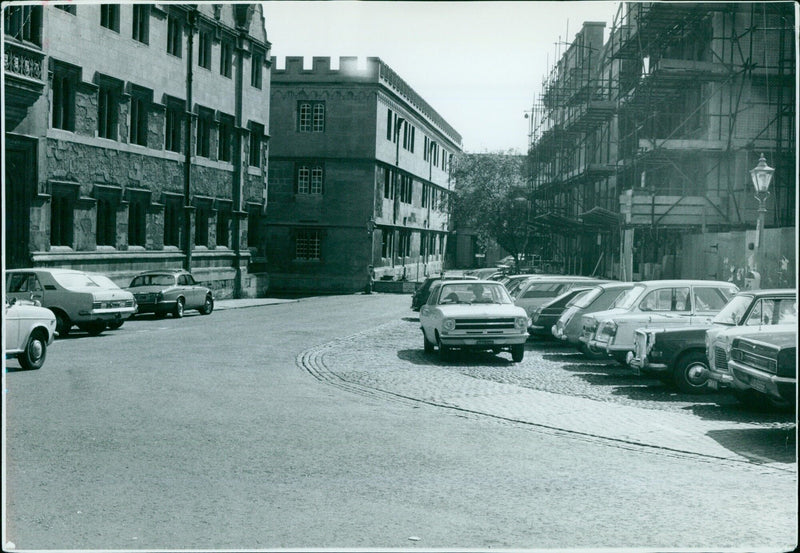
238, 172
187, 164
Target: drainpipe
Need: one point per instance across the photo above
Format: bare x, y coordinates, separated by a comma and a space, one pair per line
187, 164
238, 171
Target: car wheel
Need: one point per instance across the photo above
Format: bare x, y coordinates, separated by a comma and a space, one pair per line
115, 325
208, 306
428, 345
95, 328
63, 324
592, 353
178, 311
35, 351
517, 352
444, 351
690, 374
620, 357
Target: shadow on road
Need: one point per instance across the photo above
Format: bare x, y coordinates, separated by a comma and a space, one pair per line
455, 358
728, 408
764, 445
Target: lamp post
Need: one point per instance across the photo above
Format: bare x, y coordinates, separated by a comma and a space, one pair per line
761, 175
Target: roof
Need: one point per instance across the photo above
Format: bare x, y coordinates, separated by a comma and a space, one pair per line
770, 292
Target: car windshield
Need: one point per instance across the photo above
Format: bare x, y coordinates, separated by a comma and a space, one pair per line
732, 313
153, 280
473, 293
82, 280
586, 298
626, 300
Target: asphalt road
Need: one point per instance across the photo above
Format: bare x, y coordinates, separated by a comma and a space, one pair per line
210, 433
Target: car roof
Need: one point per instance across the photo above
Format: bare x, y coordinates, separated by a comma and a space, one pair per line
162, 272
51, 270
769, 292
685, 282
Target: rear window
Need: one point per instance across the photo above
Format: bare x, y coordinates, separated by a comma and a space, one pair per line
543, 290
585, 299
153, 280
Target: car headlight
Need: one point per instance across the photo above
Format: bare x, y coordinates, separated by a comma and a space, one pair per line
449, 324
521, 323
97, 305
610, 328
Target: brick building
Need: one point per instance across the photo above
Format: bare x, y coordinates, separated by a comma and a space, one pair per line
136, 138
641, 144
358, 177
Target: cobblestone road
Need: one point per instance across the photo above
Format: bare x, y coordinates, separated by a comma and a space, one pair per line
556, 389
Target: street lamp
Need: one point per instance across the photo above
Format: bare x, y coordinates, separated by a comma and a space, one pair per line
761, 176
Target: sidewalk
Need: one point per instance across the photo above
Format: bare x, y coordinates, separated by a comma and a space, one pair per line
221, 305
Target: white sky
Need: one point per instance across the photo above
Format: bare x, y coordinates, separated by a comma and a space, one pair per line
479, 64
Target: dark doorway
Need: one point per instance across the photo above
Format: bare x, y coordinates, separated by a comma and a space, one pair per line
20, 186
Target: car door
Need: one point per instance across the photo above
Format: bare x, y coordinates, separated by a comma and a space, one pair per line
12, 327
186, 291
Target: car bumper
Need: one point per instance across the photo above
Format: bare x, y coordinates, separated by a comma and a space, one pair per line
158, 307
641, 365
106, 315
483, 341
770, 384
717, 379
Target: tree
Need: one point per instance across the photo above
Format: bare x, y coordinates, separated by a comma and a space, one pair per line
490, 196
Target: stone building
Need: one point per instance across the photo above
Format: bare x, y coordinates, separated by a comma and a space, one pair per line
641, 145
358, 177
136, 138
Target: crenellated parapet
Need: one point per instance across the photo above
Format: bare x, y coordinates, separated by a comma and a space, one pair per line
375, 71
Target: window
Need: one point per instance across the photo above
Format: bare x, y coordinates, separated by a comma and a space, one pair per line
309, 179
226, 58
109, 16
205, 121
225, 138
404, 243
254, 230
311, 116
202, 214
406, 188
173, 217
174, 36
709, 299
107, 110
409, 132
307, 245
137, 220
204, 50
389, 120
666, 299
106, 234
224, 226
388, 189
24, 23
426, 148
387, 243
63, 106
67, 8
61, 218
256, 66
141, 23
140, 109
256, 133
174, 119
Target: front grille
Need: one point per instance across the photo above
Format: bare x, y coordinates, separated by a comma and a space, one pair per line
720, 359
759, 362
485, 324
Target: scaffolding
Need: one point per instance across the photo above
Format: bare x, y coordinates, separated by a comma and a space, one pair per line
656, 128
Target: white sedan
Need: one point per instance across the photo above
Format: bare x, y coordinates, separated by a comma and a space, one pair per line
477, 315
29, 330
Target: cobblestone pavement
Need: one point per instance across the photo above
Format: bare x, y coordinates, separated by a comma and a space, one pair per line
557, 390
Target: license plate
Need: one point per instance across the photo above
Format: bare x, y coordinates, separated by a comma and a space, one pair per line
758, 385
713, 384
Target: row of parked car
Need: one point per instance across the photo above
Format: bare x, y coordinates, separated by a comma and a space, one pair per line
42, 303
697, 335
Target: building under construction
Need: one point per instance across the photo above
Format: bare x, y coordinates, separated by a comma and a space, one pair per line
641, 144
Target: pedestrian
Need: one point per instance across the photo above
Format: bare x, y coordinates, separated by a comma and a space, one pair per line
370, 279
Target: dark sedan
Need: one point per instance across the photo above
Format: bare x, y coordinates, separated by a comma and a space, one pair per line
170, 292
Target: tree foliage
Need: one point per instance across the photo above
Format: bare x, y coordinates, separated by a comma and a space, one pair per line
490, 197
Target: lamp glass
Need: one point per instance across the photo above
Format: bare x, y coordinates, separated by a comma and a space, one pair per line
761, 175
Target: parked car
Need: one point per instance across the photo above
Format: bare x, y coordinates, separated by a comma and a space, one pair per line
477, 315
600, 298
29, 330
89, 300
747, 310
537, 291
420, 295
170, 292
654, 303
546, 315
764, 368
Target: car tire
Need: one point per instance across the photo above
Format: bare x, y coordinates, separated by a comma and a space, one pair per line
620, 357
444, 351
208, 306
63, 324
517, 352
35, 351
592, 353
95, 328
177, 312
115, 325
690, 373
427, 344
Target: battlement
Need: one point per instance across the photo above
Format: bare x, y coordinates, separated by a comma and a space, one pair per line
375, 71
